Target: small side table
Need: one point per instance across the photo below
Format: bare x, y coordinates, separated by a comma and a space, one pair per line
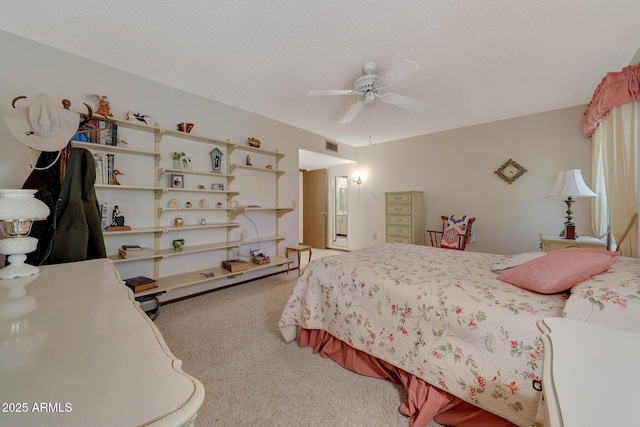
298, 249
550, 243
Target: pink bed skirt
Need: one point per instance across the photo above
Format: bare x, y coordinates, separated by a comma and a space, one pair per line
425, 402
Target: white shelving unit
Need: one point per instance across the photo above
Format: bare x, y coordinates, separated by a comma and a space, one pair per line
212, 237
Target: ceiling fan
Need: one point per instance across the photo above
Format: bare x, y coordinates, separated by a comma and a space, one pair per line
372, 86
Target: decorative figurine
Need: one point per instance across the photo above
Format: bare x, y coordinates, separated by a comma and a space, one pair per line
115, 177
117, 220
204, 203
178, 222
188, 204
173, 203
253, 142
104, 107
248, 161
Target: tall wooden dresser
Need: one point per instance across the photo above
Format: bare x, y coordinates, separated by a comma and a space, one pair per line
404, 217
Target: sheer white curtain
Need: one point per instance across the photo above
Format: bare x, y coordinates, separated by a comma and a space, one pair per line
616, 146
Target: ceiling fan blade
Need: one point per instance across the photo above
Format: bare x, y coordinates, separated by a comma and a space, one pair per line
330, 92
402, 69
403, 101
353, 111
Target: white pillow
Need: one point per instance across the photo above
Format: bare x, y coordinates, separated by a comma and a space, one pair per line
515, 260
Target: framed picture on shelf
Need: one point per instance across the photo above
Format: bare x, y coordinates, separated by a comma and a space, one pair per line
184, 162
217, 186
216, 159
177, 180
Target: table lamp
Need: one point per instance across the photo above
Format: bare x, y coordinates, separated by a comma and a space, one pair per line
18, 210
570, 184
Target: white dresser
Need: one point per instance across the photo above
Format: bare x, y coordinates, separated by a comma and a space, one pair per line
76, 350
404, 217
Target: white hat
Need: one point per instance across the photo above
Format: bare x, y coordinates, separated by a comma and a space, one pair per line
42, 125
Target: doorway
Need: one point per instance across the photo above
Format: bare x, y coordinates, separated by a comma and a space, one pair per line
340, 212
314, 208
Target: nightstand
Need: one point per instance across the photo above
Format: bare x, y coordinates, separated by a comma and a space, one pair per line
550, 243
589, 374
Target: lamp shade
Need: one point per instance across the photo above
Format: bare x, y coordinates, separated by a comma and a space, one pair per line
570, 184
21, 205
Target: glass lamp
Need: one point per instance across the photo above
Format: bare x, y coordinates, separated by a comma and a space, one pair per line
570, 184
18, 210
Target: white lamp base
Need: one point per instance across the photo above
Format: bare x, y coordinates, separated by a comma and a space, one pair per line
16, 248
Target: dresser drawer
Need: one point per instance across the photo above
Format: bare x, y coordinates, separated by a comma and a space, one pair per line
399, 229
398, 209
551, 243
399, 219
398, 198
399, 239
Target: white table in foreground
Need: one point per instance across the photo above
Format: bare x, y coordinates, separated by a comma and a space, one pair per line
590, 376
76, 350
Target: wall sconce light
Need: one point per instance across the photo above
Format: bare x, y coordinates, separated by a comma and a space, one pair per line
359, 177
19, 209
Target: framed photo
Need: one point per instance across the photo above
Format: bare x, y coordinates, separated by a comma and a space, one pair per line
184, 162
145, 119
216, 159
177, 180
217, 186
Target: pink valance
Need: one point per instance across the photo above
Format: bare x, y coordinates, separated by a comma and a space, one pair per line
615, 89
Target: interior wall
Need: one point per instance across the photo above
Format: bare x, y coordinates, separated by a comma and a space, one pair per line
32, 68
455, 170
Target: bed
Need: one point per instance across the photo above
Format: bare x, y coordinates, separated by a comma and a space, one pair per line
464, 344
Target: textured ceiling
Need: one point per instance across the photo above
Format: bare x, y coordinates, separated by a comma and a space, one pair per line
480, 61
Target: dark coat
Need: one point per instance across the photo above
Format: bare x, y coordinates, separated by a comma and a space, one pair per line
73, 230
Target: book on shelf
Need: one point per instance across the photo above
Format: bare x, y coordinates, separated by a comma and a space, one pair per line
132, 247
136, 253
114, 134
234, 265
140, 283
104, 216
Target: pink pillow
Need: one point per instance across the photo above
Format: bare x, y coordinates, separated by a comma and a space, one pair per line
559, 270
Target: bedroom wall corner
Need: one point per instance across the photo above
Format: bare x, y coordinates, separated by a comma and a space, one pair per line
455, 170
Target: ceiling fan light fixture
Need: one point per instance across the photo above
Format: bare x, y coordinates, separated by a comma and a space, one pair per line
369, 97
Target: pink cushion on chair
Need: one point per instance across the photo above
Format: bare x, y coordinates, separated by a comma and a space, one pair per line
559, 270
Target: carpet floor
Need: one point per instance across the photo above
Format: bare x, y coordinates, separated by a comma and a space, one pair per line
229, 340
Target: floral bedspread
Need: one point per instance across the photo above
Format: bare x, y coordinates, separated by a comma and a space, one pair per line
438, 314
610, 299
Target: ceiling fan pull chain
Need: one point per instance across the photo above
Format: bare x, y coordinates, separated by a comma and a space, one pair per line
370, 107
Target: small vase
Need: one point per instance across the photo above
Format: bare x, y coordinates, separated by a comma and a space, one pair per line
178, 222
176, 164
178, 244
